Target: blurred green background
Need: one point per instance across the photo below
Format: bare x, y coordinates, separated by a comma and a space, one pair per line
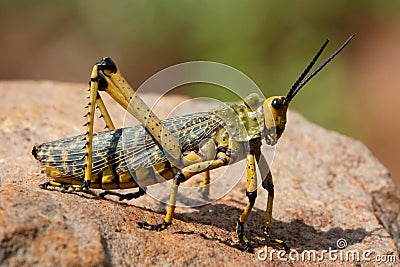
270, 41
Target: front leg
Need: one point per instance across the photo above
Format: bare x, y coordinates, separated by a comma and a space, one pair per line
251, 193
268, 185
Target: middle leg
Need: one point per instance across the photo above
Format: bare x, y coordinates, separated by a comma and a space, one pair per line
268, 185
221, 160
205, 185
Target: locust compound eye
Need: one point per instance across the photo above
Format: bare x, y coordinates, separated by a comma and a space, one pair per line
276, 103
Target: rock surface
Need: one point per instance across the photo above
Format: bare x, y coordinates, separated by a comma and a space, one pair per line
328, 187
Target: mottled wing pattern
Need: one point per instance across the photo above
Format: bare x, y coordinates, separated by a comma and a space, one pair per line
125, 148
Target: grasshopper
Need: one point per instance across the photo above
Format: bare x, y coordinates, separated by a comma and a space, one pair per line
171, 149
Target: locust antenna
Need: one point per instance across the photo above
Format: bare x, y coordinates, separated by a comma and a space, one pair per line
302, 80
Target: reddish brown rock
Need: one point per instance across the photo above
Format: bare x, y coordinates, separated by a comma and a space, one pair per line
328, 187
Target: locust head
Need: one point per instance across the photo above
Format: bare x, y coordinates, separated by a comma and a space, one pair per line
275, 108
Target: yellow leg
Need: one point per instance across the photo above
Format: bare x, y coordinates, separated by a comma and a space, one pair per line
106, 77
182, 176
94, 100
251, 193
119, 89
63, 187
90, 120
205, 184
172, 201
269, 186
104, 113
108, 172
171, 207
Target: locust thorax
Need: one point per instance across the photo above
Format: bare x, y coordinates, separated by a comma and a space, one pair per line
275, 109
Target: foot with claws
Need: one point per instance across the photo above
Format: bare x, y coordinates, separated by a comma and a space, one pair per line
273, 241
154, 227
